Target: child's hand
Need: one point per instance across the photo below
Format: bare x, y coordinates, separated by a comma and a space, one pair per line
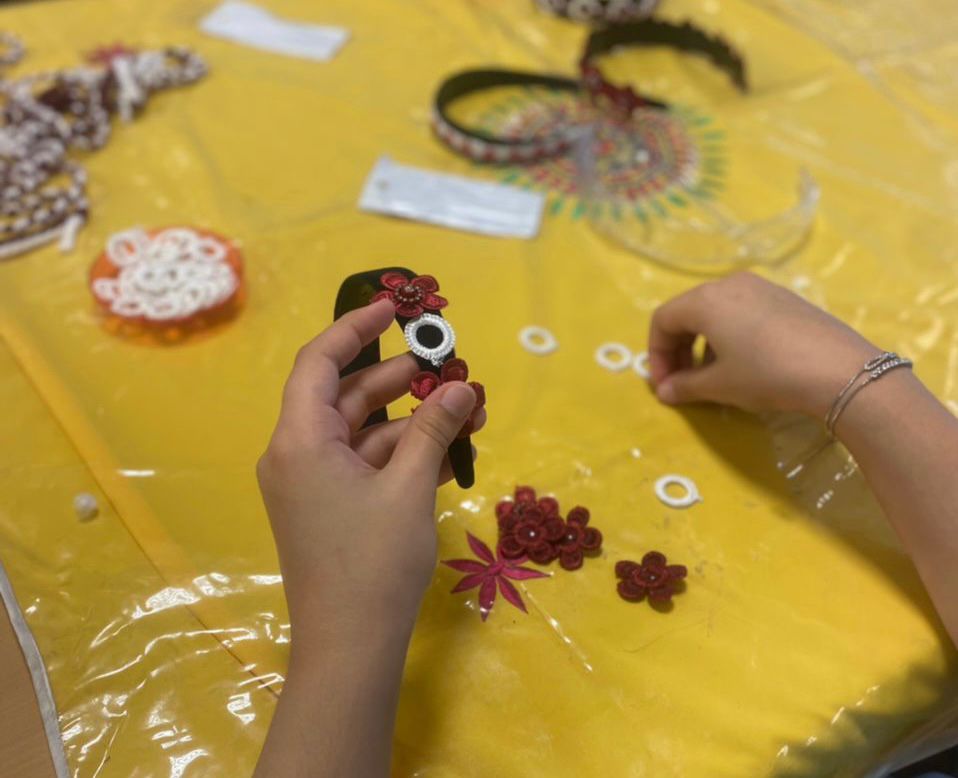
768, 349
352, 510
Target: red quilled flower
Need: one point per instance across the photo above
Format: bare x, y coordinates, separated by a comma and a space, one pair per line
412, 297
425, 383
653, 578
488, 573
577, 539
532, 527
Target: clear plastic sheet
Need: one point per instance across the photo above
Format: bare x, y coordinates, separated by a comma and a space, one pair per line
804, 644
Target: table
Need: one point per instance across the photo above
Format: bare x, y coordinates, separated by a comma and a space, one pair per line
804, 643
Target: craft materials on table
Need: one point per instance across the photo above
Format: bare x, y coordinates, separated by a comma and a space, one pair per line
611, 11
612, 101
451, 201
428, 335
653, 577
254, 26
46, 115
538, 340
690, 492
168, 276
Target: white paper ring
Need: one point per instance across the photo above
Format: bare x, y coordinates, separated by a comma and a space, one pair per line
613, 356
690, 497
434, 354
538, 340
641, 364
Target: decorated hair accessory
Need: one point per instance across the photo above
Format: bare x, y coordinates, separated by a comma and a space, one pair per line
425, 383
533, 528
482, 146
489, 572
652, 32
653, 578
167, 276
42, 193
611, 11
429, 336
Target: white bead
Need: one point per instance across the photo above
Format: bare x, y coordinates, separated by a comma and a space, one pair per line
641, 364
690, 497
613, 356
537, 340
437, 354
85, 506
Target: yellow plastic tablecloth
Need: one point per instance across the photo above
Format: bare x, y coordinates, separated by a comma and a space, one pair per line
803, 645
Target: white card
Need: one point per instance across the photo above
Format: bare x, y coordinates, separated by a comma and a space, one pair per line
247, 23
451, 201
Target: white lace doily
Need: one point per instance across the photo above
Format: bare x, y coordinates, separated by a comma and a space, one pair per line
169, 276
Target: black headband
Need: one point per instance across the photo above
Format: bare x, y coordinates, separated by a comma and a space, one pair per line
482, 146
358, 291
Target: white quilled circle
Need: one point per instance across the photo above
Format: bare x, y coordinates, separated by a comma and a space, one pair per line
690, 497
613, 356
641, 364
435, 354
170, 275
538, 340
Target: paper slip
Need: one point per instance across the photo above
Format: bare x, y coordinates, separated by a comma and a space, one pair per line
451, 201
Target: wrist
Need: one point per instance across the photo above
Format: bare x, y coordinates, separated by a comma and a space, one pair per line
882, 402
831, 374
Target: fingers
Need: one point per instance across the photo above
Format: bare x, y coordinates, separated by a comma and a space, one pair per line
376, 444
313, 385
422, 446
675, 325
697, 384
374, 387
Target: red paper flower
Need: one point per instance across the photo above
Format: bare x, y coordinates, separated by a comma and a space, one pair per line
411, 297
654, 578
489, 572
577, 539
533, 528
425, 383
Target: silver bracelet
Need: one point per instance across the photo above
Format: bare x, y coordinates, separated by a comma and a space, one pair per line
873, 370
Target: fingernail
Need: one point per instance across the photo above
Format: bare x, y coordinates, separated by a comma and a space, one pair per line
666, 393
459, 400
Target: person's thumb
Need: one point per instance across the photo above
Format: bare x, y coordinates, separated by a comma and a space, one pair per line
432, 428
694, 384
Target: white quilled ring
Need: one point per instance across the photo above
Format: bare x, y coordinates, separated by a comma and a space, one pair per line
613, 356
690, 497
435, 354
641, 364
538, 340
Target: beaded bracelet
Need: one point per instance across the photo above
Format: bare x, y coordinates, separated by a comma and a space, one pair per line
872, 371
429, 336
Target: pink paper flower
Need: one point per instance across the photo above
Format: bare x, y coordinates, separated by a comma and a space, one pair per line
488, 573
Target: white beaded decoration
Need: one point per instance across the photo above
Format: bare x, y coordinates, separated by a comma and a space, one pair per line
435, 354
641, 364
690, 497
613, 356
172, 275
537, 340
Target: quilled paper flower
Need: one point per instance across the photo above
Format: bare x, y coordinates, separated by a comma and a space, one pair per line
577, 539
425, 383
412, 297
488, 573
653, 578
533, 527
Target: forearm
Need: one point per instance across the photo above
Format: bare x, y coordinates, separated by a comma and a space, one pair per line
335, 716
906, 444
